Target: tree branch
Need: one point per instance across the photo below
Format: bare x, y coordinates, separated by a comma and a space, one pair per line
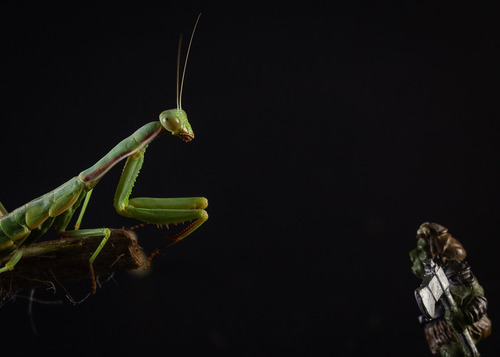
68, 259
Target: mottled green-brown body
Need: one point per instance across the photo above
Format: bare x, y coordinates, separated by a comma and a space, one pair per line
459, 320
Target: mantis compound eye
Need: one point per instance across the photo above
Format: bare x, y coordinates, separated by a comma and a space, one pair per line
172, 124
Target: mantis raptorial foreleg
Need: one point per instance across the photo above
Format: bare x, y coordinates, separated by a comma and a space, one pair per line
162, 211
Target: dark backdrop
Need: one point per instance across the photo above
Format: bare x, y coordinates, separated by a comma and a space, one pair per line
325, 135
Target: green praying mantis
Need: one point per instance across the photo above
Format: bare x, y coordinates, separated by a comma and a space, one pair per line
26, 224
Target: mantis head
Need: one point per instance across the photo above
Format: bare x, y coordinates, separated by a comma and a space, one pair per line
176, 122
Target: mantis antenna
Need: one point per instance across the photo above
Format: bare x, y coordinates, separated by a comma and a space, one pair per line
179, 92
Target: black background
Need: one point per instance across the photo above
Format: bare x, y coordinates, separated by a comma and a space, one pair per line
325, 135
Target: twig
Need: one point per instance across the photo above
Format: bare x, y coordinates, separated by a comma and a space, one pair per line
68, 259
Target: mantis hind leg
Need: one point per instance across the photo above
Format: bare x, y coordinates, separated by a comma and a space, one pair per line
13, 261
162, 211
85, 233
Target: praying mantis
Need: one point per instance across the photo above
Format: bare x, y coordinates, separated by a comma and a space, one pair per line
26, 224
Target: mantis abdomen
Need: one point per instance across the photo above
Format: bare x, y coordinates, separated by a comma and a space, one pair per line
27, 223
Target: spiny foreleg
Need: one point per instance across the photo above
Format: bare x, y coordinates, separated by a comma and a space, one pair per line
161, 211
